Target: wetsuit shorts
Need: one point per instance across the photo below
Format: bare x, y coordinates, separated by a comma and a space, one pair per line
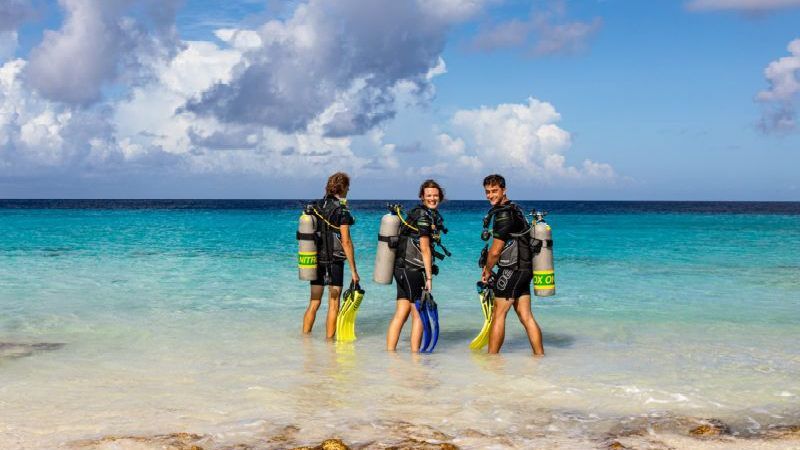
512, 284
335, 272
410, 283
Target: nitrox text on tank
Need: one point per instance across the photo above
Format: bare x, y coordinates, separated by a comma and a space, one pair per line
544, 281
307, 247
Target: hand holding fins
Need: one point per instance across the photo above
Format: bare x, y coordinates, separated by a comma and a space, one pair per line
486, 298
350, 319
422, 309
346, 319
429, 314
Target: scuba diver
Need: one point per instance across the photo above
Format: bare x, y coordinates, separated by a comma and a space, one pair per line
331, 231
414, 268
511, 251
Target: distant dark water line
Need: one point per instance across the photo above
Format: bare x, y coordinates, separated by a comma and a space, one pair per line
557, 206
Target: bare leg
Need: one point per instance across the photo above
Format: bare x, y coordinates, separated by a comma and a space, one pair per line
522, 306
416, 330
313, 306
498, 332
333, 310
402, 308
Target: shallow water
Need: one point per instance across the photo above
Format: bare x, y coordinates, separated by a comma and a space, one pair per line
187, 319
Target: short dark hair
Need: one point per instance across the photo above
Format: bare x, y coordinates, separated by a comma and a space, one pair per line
431, 184
495, 180
338, 184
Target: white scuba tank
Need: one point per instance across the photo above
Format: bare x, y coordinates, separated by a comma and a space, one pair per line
544, 281
307, 248
387, 249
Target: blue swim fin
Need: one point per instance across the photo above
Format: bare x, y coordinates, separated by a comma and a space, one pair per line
422, 309
433, 318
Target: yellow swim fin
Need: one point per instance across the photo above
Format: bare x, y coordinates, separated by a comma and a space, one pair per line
486, 298
346, 319
344, 310
350, 318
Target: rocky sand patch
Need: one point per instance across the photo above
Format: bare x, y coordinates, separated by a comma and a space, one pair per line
642, 433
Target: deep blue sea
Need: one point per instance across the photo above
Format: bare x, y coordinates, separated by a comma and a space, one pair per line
149, 316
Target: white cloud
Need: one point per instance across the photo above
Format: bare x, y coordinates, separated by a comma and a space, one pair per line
149, 129
30, 128
513, 33
152, 116
451, 147
386, 158
545, 32
338, 85
239, 39
780, 100
42, 136
521, 137
13, 13
153, 120
567, 37
741, 5
346, 60
453, 10
96, 42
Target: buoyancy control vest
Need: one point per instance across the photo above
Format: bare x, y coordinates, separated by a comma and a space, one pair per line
517, 253
330, 213
409, 253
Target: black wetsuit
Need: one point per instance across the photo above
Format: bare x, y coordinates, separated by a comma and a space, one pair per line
331, 256
515, 264
409, 269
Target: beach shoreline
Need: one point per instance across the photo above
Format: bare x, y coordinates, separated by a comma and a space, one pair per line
676, 433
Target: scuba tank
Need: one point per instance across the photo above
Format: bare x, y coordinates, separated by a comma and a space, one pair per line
387, 248
544, 282
307, 247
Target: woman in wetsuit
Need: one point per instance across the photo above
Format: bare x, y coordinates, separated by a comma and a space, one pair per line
414, 267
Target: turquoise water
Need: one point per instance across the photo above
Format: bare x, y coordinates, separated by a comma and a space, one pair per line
189, 319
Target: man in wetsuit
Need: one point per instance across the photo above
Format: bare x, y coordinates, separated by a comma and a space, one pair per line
511, 252
335, 246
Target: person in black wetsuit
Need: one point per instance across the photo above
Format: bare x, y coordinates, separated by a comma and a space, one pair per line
414, 268
511, 252
334, 246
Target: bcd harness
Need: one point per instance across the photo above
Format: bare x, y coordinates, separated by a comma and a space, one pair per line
517, 251
409, 248
326, 234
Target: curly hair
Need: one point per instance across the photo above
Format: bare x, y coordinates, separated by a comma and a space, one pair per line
431, 184
338, 184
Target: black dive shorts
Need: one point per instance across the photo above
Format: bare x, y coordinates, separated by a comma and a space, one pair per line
335, 271
512, 284
410, 283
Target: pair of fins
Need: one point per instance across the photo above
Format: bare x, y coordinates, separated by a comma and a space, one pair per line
346, 319
486, 298
429, 314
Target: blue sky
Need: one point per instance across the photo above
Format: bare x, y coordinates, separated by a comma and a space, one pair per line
613, 99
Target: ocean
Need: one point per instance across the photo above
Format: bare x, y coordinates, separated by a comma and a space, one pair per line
129, 318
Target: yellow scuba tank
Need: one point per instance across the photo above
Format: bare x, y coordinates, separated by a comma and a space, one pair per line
307, 247
387, 248
544, 281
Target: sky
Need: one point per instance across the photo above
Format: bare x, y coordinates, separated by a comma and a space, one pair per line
568, 99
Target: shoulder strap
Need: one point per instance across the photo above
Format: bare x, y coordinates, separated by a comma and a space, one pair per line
405, 222
320, 210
